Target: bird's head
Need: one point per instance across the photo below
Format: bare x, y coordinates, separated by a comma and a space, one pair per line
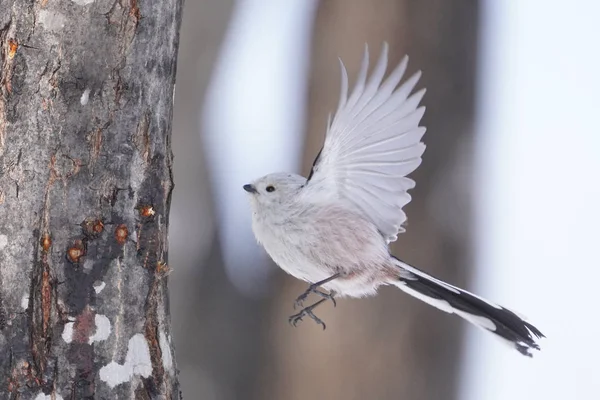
273, 190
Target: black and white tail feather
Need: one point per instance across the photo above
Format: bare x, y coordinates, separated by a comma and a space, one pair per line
484, 314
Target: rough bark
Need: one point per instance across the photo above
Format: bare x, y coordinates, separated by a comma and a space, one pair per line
86, 91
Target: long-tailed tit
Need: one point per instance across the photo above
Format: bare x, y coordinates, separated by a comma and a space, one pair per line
333, 229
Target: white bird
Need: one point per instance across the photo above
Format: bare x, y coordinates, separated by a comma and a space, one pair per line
333, 228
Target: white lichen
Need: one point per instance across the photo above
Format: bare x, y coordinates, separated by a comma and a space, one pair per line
115, 374
137, 362
83, 2
138, 168
42, 396
88, 265
133, 236
3, 241
103, 329
25, 301
52, 21
165, 349
99, 286
67, 334
102, 332
85, 97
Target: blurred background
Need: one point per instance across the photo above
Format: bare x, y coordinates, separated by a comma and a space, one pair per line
507, 202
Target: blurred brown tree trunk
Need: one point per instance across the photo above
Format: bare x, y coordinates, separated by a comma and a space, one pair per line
86, 91
391, 346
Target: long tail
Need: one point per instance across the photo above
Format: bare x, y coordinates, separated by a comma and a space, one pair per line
486, 315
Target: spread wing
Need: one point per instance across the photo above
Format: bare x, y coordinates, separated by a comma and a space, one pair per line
373, 142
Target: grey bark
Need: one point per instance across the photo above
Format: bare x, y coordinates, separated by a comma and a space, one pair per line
86, 93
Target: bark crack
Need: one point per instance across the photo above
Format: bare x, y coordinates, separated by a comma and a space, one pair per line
142, 137
96, 145
41, 298
8, 48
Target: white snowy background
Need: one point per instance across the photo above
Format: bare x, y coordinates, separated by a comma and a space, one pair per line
539, 196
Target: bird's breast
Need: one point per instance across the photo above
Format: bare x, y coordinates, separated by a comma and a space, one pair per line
288, 243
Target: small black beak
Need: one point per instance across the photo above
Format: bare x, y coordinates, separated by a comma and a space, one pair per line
250, 188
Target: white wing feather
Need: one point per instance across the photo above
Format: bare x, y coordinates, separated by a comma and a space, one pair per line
373, 142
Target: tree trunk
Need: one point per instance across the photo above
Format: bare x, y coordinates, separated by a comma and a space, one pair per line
86, 92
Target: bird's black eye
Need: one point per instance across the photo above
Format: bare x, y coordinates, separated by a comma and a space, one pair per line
270, 188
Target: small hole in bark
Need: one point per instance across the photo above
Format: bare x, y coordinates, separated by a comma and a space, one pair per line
46, 242
147, 211
12, 48
92, 228
162, 268
121, 233
98, 227
75, 252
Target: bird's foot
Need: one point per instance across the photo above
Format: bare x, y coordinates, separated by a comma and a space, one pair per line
294, 319
314, 289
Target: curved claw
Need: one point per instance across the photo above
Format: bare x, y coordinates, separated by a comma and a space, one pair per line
317, 320
332, 299
299, 302
294, 319
322, 323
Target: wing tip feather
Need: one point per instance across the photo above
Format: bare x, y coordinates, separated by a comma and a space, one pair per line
353, 93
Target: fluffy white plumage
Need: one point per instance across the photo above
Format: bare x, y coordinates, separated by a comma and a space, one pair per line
373, 142
333, 229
